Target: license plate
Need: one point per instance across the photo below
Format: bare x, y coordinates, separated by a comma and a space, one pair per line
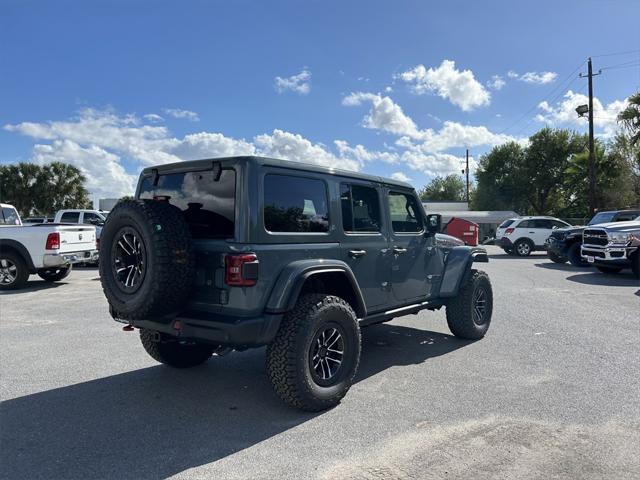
590, 259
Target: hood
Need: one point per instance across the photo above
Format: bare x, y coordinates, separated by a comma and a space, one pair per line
569, 230
619, 226
443, 240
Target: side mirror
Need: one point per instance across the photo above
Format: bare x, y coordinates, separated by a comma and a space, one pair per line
434, 222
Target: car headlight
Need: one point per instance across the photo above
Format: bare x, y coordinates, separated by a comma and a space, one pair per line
619, 237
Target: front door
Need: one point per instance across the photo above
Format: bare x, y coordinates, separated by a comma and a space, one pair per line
408, 248
365, 242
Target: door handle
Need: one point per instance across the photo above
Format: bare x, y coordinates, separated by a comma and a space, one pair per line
399, 250
357, 253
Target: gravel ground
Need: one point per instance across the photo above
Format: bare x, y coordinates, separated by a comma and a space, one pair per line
552, 391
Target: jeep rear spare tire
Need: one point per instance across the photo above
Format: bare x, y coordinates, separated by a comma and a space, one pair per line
315, 355
146, 259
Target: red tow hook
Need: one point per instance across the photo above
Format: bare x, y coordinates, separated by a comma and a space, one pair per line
128, 328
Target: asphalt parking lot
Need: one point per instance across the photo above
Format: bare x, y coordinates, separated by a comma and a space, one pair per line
551, 392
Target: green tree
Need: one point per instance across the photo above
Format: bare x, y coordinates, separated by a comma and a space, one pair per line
499, 180
545, 163
613, 180
35, 189
18, 186
630, 118
450, 188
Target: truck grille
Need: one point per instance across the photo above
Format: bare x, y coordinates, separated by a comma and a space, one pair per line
595, 237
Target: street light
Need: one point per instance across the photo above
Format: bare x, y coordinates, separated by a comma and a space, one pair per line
582, 110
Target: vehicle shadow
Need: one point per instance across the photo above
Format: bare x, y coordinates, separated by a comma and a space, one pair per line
155, 422
622, 279
566, 267
34, 286
506, 256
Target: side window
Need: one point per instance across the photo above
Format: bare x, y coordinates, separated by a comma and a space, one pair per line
525, 224
541, 223
295, 205
92, 217
360, 208
70, 217
405, 213
625, 216
9, 216
557, 224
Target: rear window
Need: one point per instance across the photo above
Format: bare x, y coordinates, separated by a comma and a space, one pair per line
70, 217
295, 205
208, 205
506, 223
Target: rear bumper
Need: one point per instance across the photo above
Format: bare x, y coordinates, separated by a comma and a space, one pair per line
215, 329
504, 242
68, 258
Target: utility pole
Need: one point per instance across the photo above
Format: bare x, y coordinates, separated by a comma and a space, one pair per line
467, 172
592, 170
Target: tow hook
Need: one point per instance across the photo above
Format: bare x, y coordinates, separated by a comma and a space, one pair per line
128, 328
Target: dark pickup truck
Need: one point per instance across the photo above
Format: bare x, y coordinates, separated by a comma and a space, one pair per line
564, 243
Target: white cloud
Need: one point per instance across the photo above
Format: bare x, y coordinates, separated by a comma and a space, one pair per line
496, 82
182, 114
564, 112
401, 177
362, 155
300, 83
104, 173
539, 78
384, 114
388, 116
459, 87
153, 117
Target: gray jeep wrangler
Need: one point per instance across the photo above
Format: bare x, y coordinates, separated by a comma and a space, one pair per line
241, 252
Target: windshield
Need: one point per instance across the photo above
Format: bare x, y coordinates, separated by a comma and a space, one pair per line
602, 217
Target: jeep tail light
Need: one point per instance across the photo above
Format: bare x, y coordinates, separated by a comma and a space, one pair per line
241, 270
53, 241
508, 231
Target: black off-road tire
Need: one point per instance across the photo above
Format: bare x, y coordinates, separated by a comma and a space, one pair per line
21, 271
461, 311
289, 356
174, 353
54, 274
609, 270
574, 256
167, 253
523, 247
555, 258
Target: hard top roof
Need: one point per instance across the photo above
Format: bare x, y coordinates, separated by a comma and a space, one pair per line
273, 162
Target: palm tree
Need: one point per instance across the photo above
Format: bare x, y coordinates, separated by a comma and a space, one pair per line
630, 118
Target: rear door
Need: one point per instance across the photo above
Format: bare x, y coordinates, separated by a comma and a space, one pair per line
408, 247
539, 229
365, 243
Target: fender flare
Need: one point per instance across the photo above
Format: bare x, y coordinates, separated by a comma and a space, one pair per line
287, 287
458, 268
9, 244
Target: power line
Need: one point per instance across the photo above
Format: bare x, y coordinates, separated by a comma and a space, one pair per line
557, 87
626, 65
613, 54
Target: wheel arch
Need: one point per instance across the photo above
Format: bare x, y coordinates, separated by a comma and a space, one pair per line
458, 268
8, 245
313, 276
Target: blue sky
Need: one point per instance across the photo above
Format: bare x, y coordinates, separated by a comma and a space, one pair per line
391, 88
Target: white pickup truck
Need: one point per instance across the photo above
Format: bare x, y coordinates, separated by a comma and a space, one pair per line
46, 249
